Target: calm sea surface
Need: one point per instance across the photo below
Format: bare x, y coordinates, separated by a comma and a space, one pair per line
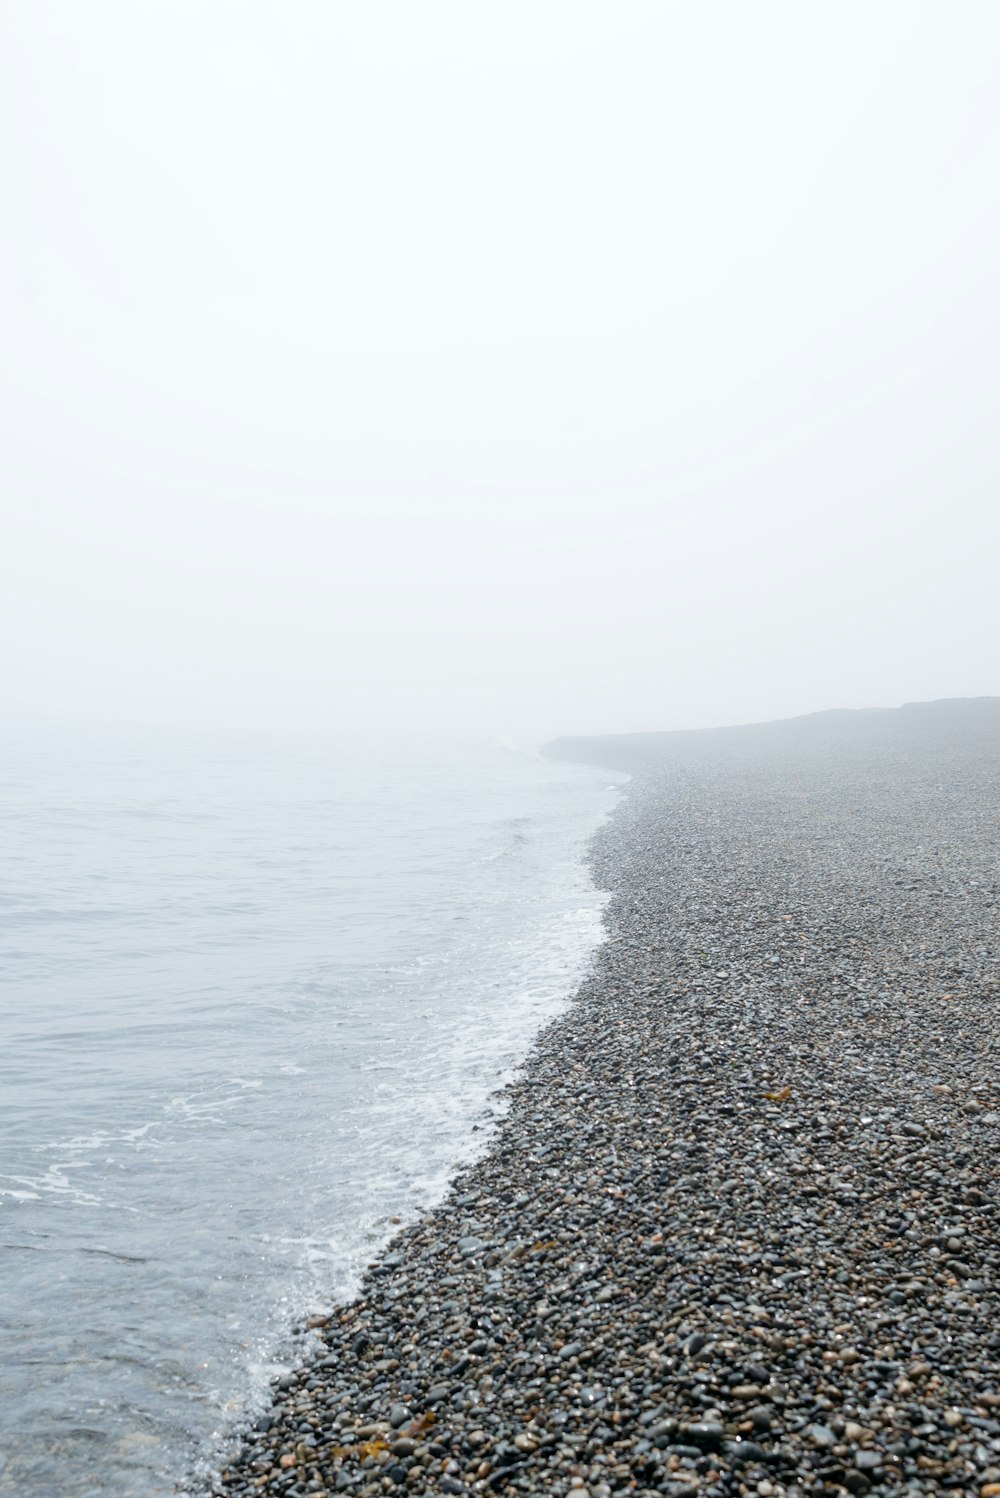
253, 1002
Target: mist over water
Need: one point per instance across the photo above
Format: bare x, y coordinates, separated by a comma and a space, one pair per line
254, 1003
553, 366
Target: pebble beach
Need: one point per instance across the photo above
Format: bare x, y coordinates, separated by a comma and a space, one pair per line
736, 1231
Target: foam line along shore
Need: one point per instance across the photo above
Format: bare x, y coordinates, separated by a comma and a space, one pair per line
737, 1230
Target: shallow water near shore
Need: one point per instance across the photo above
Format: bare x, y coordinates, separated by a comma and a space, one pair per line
257, 1001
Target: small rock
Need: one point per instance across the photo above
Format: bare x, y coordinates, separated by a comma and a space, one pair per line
821, 1436
707, 1434
743, 1452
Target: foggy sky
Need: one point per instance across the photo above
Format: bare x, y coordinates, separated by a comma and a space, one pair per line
508, 366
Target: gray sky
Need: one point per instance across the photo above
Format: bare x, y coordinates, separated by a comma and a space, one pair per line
518, 366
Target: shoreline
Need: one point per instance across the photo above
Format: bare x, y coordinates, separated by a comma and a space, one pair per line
736, 1232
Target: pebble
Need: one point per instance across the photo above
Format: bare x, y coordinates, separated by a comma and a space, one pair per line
736, 1230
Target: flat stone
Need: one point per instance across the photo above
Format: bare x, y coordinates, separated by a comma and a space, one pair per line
821, 1436
704, 1433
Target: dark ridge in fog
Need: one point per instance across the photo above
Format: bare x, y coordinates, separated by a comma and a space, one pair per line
876, 729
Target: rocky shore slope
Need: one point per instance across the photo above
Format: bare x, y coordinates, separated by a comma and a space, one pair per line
738, 1230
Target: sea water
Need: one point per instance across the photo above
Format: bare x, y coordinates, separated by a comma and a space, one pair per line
256, 1003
